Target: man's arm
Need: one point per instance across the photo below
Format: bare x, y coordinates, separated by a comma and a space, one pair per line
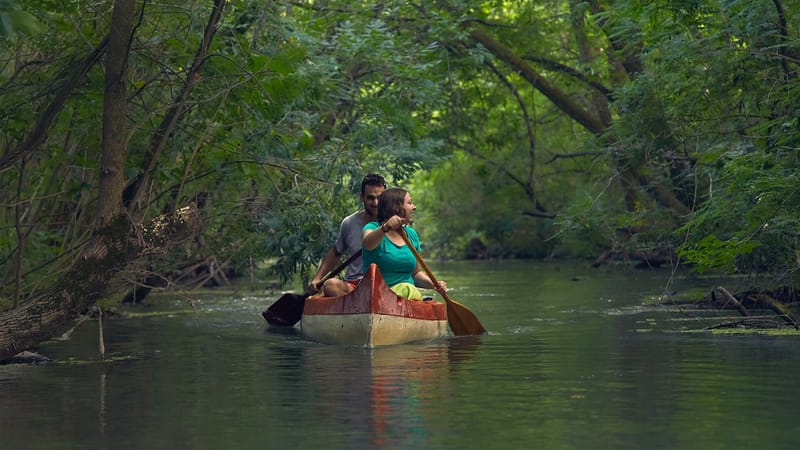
329, 261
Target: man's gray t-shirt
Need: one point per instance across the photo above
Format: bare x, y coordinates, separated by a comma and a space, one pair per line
349, 242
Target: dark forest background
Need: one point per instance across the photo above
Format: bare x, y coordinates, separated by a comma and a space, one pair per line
155, 144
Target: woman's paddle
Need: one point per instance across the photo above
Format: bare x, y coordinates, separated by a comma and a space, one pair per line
288, 310
461, 320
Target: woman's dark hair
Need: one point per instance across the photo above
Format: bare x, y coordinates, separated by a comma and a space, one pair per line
391, 202
372, 180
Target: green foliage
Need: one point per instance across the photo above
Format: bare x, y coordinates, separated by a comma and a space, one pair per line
712, 253
584, 227
14, 20
751, 223
708, 118
296, 102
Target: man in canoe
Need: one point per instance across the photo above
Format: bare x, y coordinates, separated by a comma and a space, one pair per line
349, 242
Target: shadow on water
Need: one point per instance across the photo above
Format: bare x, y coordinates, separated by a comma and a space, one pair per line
285, 331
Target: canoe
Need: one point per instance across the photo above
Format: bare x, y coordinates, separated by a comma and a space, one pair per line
372, 315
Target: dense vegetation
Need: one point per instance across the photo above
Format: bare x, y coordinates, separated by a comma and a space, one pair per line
148, 143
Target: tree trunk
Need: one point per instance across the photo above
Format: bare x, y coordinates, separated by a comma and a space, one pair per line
112, 158
109, 250
116, 241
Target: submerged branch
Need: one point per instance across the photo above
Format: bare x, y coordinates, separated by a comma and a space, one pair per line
749, 322
729, 298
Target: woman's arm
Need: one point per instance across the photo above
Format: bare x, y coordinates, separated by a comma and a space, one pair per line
370, 239
422, 280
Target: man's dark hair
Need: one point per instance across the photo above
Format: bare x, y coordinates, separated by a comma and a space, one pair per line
372, 180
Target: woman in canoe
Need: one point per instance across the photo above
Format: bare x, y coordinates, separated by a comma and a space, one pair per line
383, 245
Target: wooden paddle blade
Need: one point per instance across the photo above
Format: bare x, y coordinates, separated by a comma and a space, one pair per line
462, 321
286, 311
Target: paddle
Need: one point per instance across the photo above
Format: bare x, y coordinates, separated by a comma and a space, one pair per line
288, 310
461, 320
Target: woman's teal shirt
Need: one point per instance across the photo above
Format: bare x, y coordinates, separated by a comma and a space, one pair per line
396, 262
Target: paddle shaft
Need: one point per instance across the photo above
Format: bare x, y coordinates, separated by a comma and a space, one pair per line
462, 321
424, 266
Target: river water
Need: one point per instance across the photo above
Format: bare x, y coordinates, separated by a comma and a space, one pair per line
572, 360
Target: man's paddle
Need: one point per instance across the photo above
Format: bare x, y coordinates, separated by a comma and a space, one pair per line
461, 320
288, 310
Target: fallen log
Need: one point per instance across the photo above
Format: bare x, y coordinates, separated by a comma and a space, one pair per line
110, 251
776, 306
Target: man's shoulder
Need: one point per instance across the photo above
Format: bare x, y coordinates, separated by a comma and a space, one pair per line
353, 218
349, 234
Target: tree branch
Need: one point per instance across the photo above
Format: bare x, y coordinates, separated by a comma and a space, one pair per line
132, 193
38, 134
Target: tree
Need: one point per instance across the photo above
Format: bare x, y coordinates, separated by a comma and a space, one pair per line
250, 128
110, 247
565, 127
679, 97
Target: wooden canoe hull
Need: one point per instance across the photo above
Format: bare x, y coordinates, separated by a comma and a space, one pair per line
371, 316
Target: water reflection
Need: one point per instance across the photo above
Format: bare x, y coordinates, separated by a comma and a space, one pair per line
379, 397
461, 350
